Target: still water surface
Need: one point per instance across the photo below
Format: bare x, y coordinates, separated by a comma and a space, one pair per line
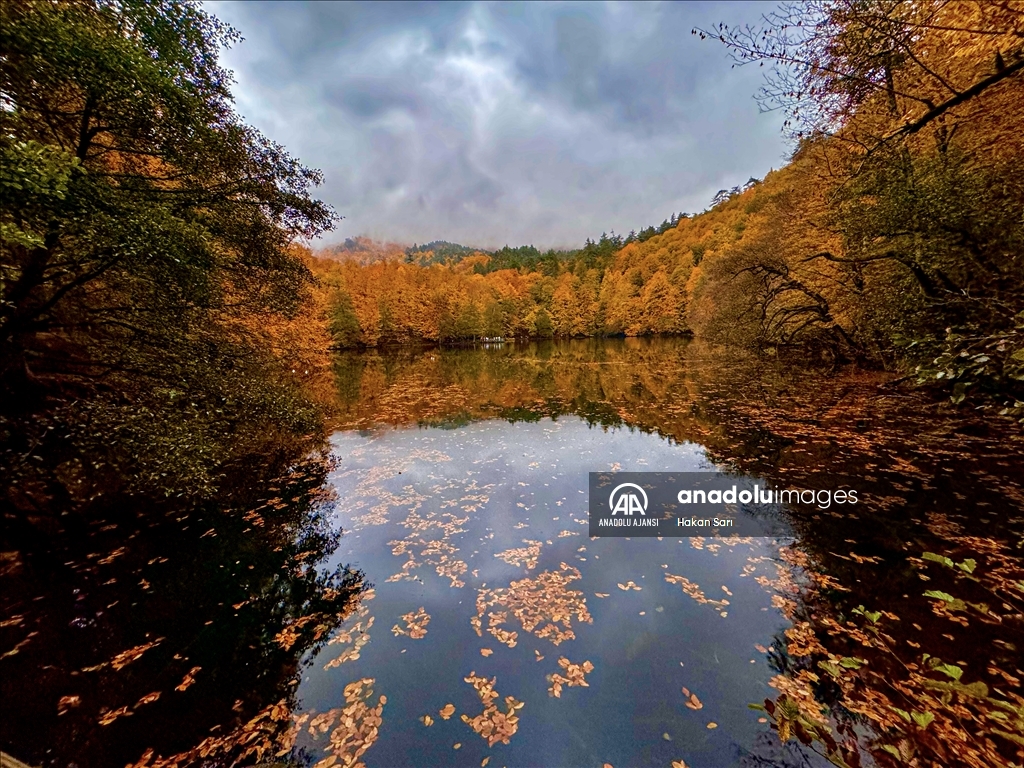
475, 495
428, 595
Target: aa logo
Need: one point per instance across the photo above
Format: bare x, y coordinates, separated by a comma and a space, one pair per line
627, 499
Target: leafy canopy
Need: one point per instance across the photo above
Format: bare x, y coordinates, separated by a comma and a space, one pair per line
144, 228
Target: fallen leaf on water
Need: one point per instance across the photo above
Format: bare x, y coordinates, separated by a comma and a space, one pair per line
149, 698
486, 651
678, 764
666, 737
447, 711
125, 658
66, 702
457, 745
427, 720
692, 701
712, 725
111, 716
190, 677
601, 594
484, 762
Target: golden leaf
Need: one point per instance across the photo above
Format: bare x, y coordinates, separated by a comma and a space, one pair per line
188, 679
111, 716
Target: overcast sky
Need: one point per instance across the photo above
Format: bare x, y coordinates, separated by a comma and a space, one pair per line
491, 123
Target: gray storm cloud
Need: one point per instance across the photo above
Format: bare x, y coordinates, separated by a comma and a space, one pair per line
489, 124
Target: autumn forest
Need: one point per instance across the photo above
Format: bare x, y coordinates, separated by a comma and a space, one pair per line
278, 494
892, 239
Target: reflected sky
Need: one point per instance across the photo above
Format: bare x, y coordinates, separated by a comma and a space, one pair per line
508, 486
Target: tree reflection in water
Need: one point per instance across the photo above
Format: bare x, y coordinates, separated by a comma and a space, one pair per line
152, 630
907, 613
164, 635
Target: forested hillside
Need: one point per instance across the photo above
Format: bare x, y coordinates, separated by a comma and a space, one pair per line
893, 237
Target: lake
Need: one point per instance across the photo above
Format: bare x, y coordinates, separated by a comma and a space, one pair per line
424, 591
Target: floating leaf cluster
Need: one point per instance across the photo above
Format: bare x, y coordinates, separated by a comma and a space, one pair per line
271, 732
522, 556
358, 726
356, 636
433, 551
415, 624
125, 658
543, 605
575, 676
694, 591
493, 725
